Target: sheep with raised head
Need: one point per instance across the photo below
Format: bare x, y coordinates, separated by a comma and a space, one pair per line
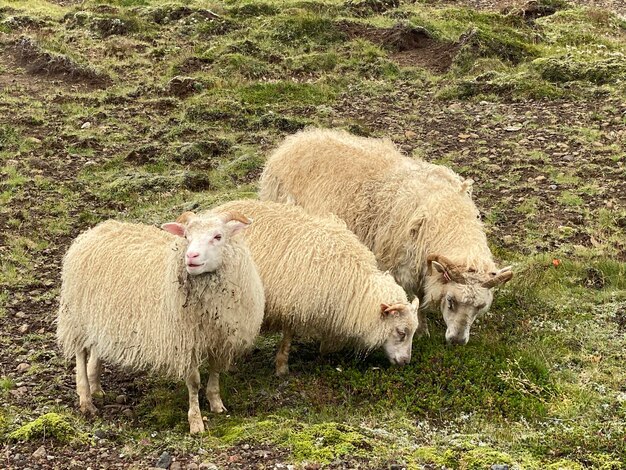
417, 218
322, 283
163, 300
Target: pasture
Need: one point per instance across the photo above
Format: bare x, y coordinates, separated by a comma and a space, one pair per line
141, 109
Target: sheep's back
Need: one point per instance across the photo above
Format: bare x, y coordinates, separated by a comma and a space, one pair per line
319, 278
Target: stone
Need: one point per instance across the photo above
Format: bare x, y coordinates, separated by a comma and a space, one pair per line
86, 125
499, 467
410, 134
176, 466
192, 466
120, 399
24, 328
40, 453
164, 461
207, 466
23, 367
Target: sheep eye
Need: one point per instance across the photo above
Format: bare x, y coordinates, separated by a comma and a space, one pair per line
450, 303
401, 335
217, 237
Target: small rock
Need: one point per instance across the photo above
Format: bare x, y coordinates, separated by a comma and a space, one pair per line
552, 186
23, 367
18, 392
245, 446
261, 453
207, 466
20, 315
89, 163
100, 434
176, 466
410, 134
120, 399
313, 466
192, 466
540, 178
507, 239
12, 162
513, 128
464, 136
128, 413
39, 453
500, 467
164, 461
24, 328
86, 125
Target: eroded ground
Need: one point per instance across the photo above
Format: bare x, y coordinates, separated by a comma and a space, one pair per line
139, 109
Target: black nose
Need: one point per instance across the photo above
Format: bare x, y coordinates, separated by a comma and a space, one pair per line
457, 340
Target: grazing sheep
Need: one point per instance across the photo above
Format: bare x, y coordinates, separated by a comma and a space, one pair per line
418, 218
322, 283
163, 300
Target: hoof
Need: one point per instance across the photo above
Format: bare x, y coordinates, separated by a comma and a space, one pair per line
88, 409
98, 394
217, 408
196, 426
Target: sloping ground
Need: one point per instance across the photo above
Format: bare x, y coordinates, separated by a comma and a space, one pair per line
195, 97
616, 6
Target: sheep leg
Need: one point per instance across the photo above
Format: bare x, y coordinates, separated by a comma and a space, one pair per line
82, 384
195, 417
213, 393
422, 327
282, 356
94, 371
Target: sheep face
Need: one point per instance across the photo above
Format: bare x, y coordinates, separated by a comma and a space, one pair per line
400, 321
207, 237
462, 295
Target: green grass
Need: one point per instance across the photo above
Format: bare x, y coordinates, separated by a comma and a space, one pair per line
539, 386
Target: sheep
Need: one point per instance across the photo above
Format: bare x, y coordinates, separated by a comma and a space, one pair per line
322, 283
162, 300
418, 218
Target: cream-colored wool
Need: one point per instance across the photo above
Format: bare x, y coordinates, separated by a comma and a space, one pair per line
320, 281
402, 209
127, 298
125, 293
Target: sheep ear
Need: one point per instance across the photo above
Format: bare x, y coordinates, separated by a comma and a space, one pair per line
441, 269
466, 186
448, 270
174, 228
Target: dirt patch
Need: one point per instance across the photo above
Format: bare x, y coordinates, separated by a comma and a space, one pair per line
410, 46
370, 7
183, 87
40, 62
531, 10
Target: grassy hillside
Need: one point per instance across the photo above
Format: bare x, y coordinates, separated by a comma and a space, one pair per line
139, 109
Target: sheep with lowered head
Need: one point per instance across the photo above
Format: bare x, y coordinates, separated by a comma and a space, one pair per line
418, 218
164, 300
322, 283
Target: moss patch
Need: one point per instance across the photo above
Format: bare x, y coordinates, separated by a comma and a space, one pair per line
483, 458
50, 425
